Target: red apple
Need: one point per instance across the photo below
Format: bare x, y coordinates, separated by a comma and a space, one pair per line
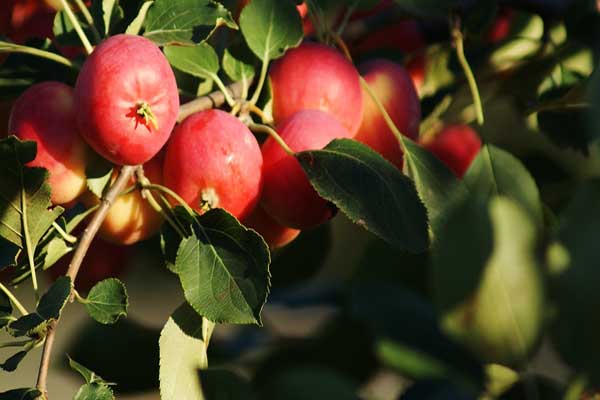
500, 28
287, 194
24, 19
403, 36
103, 260
315, 76
395, 89
456, 146
127, 99
45, 113
275, 234
130, 218
212, 161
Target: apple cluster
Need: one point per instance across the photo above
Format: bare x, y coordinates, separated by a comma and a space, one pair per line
124, 108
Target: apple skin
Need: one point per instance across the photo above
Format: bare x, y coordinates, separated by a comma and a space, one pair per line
288, 196
275, 234
500, 28
45, 113
403, 36
213, 160
24, 19
395, 89
103, 260
123, 72
315, 76
456, 146
130, 218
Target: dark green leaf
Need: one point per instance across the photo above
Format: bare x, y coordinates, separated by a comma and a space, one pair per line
94, 391
185, 21
107, 301
5, 310
49, 309
18, 181
270, 27
497, 172
12, 363
572, 261
182, 354
200, 61
224, 269
435, 183
495, 304
220, 384
309, 382
370, 191
89, 376
20, 394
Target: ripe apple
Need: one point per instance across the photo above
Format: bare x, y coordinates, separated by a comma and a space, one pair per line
130, 218
103, 260
456, 146
275, 234
315, 76
405, 37
287, 194
24, 19
45, 113
127, 99
501, 26
213, 160
395, 89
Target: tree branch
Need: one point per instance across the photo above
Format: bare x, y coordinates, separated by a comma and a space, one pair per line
82, 248
212, 100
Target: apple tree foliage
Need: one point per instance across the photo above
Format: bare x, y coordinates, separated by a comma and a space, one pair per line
462, 280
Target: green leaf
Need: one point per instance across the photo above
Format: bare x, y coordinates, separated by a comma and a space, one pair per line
5, 310
224, 269
237, 70
200, 61
435, 183
89, 376
309, 382
17, 181
108, 7
185, 21
64, 32
572, 263
135, 26
182, 353
98, 172
49, 309
270, 27
20, 394
369, 190
221, 384
94, 391
107, 301
500, 317
12, 362
497, 172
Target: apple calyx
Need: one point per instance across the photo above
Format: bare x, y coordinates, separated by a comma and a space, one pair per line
209, 199
144, 111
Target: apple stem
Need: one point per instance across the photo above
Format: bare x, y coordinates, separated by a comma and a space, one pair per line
73, 19
214, 99
386, 116
89, 19
67, 237
264, 118
261, 79
273, 133
28, 245
144, 111
346, 18
226, 93
458, 39
342, 45
13, 299
160, 188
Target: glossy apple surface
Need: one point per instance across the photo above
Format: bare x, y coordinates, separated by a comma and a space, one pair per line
316, 77
212, 160
287, 194
456, 146
127, 99
275, 234
394, 87
45, 113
